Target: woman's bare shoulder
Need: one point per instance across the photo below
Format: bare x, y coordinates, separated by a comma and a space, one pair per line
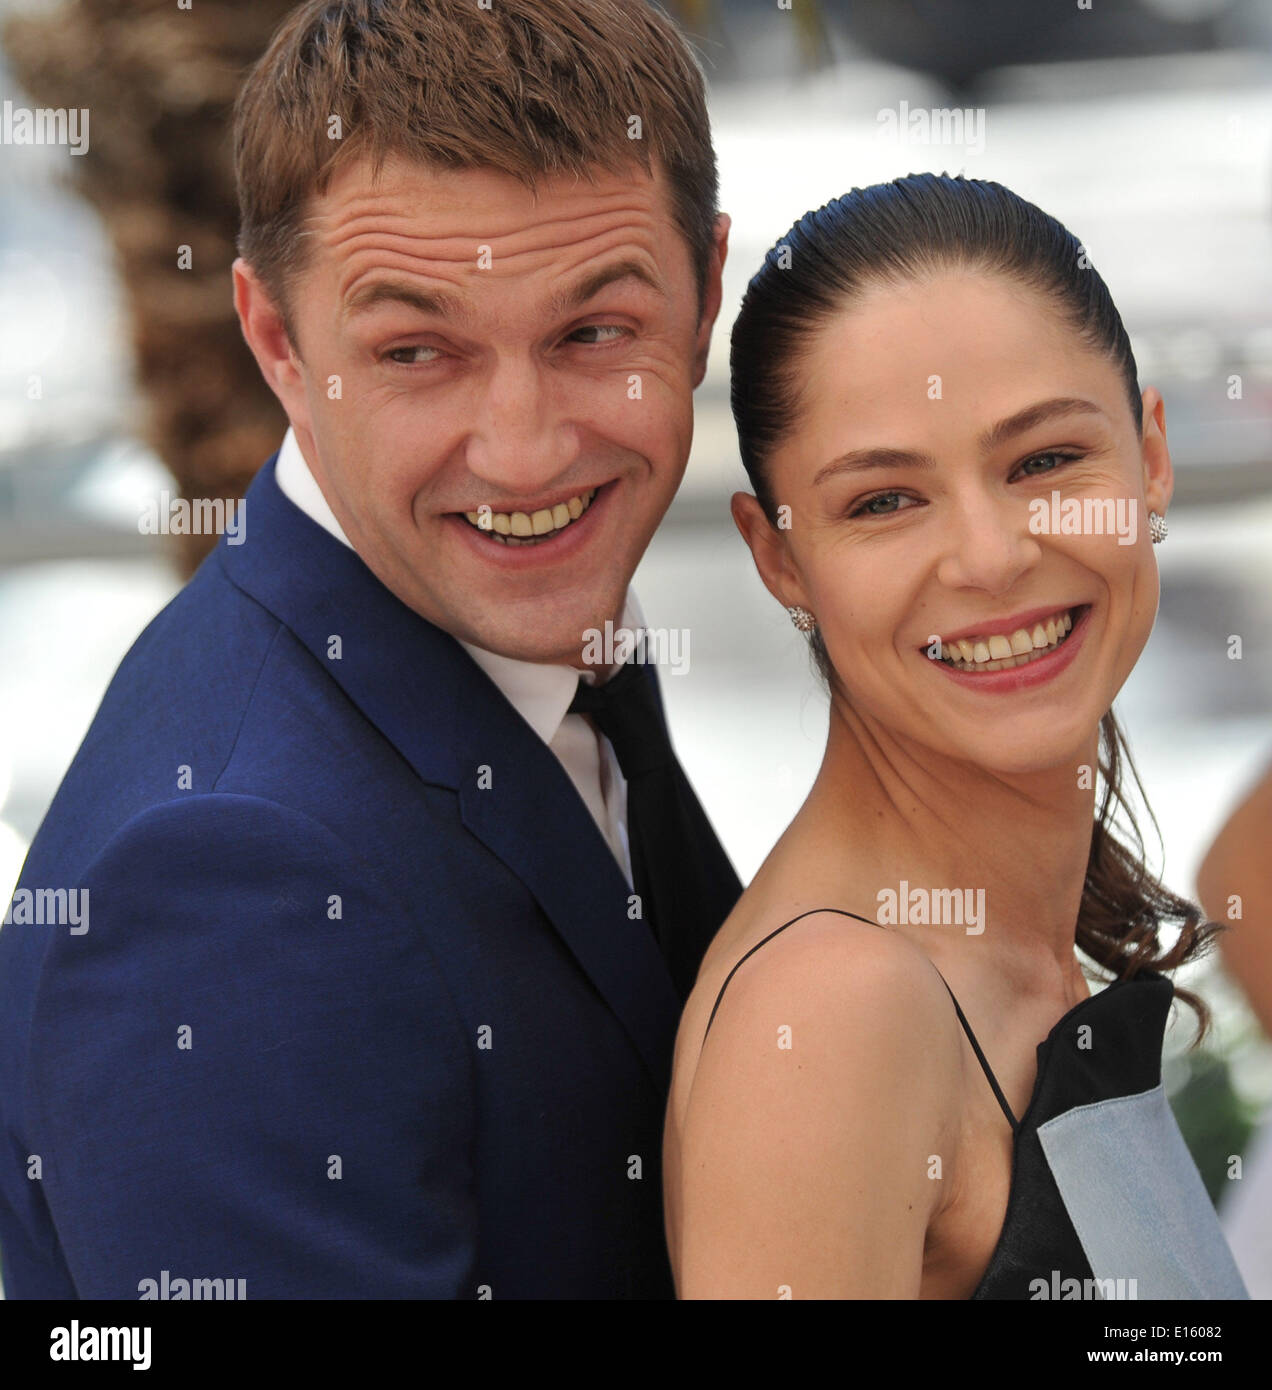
845, 980
834, 1049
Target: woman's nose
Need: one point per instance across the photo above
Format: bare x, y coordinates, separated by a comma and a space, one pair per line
987, 545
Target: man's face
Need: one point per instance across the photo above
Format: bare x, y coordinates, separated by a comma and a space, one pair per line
493, 387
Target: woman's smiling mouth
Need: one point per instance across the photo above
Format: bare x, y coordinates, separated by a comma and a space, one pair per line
995, 650
1042, 643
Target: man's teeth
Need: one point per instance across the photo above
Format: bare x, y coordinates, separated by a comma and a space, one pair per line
998, 652
528, 528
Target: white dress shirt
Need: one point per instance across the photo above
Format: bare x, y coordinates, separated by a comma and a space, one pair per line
540, 694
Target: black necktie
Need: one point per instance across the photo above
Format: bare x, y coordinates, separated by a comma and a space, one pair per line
686, 884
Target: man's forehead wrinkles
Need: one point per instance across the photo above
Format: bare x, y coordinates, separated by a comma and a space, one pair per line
460, 242
454, 261
367, 239
563, 260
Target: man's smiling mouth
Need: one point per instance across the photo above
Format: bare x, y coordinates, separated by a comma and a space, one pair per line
530, 528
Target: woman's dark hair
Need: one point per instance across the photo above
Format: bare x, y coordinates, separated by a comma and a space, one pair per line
897, 233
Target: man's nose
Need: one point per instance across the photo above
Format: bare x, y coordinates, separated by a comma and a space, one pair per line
518, 443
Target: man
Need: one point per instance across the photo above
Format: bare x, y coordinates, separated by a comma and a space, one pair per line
391, 900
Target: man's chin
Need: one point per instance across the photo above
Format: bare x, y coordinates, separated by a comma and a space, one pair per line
558, 645
537, 653
550, 627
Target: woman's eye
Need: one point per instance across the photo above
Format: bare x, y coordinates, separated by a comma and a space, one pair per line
605, 333
882, 504
1047, 463
402, 355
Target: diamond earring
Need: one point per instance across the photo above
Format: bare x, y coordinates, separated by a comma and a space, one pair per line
1157, 530
802, 619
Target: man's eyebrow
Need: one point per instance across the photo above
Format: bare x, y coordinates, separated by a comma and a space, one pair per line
444, 304
602, 279
1027, 419
439, 303
1033, 416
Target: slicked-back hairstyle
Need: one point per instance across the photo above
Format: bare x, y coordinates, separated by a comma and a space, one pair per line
893, 233
531, 88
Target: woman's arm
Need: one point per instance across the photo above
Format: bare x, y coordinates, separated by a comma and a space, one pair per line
828, 1086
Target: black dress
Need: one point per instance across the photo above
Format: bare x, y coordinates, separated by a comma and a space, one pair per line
1105, 1200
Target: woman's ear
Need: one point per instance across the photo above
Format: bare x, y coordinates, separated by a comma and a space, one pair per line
1159, 476
769, 551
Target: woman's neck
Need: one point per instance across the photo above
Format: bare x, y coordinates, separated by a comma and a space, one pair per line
1016, 846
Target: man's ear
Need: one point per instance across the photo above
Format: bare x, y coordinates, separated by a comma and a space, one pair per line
266, 334
1159, 475
712, 296
769, 551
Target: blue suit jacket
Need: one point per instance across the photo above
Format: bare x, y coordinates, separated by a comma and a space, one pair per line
346, 1023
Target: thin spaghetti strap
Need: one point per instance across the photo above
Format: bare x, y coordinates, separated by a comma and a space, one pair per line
812, 912
980, 1057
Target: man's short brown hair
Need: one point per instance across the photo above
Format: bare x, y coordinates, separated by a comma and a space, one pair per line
527, 87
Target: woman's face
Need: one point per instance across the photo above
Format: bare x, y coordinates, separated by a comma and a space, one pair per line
964, 481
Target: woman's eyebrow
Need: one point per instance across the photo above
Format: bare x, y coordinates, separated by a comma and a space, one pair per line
857, 460
1033, 416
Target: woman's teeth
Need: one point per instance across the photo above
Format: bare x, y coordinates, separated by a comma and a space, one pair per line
529, 528
998, 652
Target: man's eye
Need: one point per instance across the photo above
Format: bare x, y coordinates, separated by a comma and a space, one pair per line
604, 333
882, 504
403, 355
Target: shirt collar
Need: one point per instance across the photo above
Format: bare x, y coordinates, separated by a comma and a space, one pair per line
298, 484
540, 694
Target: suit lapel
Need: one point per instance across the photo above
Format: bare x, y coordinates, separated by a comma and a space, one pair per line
427, 696
544, 833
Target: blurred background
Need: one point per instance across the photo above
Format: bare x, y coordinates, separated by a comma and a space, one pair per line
1144, 125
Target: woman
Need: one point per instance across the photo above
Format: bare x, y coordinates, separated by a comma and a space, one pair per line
955, 481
